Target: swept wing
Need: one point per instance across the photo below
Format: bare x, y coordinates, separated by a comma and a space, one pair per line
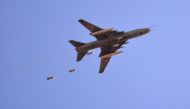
93, 28
107, 50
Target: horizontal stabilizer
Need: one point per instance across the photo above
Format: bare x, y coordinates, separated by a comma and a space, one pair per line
80, 55
76, 43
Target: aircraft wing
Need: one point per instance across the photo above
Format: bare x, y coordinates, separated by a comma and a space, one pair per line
107, 50
103, 64
93, 28
89, 26
110, 49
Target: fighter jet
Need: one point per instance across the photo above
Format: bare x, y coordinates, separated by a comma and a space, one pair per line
108, 40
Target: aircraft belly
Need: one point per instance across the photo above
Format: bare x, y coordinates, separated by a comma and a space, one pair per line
97, 44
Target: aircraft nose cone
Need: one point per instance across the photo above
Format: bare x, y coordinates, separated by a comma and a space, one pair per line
147, 30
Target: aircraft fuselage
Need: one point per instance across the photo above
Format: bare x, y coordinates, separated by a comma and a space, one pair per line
113, 40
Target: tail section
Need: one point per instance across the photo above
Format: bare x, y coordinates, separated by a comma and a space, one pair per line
76, 44
80, 55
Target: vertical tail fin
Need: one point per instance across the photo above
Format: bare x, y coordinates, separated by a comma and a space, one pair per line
76, 44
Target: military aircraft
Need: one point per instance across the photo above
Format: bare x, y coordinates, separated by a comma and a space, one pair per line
108, 40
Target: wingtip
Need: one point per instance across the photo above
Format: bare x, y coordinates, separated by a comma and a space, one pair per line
70, 41
78, 60
101, 71
81, 20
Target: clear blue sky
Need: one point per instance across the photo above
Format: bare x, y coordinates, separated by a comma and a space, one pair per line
152, 73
